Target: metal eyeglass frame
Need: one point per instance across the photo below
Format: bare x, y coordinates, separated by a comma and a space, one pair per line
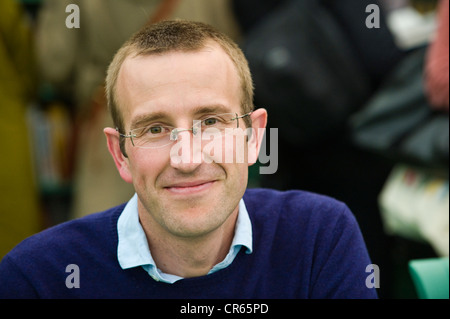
175, 131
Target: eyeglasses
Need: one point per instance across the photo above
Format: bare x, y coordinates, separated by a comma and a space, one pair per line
160, 135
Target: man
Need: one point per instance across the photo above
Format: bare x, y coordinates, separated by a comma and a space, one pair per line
179, 94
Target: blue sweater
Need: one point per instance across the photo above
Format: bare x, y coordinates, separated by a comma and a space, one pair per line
304, 246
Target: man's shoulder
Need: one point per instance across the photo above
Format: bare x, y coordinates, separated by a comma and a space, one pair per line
39, 265
70, 234
295, 209
262, 199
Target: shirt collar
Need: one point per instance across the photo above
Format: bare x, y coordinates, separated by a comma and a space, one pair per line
133, 249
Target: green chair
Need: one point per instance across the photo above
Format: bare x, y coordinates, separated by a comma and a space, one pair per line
430, 277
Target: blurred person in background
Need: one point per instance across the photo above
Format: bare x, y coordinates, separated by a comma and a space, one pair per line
437, 62
20, 214
74, 62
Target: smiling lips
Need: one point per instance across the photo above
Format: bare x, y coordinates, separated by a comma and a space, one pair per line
189, 187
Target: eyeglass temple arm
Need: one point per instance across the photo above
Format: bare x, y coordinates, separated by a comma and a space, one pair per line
125, 135
240, 117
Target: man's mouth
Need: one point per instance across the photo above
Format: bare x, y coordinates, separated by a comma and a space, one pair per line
186, 188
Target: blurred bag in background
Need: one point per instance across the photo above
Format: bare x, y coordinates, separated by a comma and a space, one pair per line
305, 72
399, 122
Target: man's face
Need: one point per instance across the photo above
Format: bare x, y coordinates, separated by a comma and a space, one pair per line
185, 198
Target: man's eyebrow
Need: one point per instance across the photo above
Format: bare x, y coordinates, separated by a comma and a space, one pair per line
144, 119
213, 109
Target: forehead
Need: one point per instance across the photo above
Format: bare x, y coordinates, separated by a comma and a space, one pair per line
178, 83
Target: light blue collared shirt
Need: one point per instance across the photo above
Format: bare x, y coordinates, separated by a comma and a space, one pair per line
133, 250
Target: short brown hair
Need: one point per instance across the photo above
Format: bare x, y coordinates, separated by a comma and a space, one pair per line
176, 35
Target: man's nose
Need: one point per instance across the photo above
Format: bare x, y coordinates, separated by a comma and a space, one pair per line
186, 153
176, 131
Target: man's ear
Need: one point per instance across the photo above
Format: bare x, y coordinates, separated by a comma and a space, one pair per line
122, 163
259, 122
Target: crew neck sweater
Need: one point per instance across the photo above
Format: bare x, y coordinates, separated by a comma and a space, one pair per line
305, 245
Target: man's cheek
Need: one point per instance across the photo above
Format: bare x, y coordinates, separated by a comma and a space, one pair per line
229, 148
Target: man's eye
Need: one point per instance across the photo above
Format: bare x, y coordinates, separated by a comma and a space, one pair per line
155, 130
210, 121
